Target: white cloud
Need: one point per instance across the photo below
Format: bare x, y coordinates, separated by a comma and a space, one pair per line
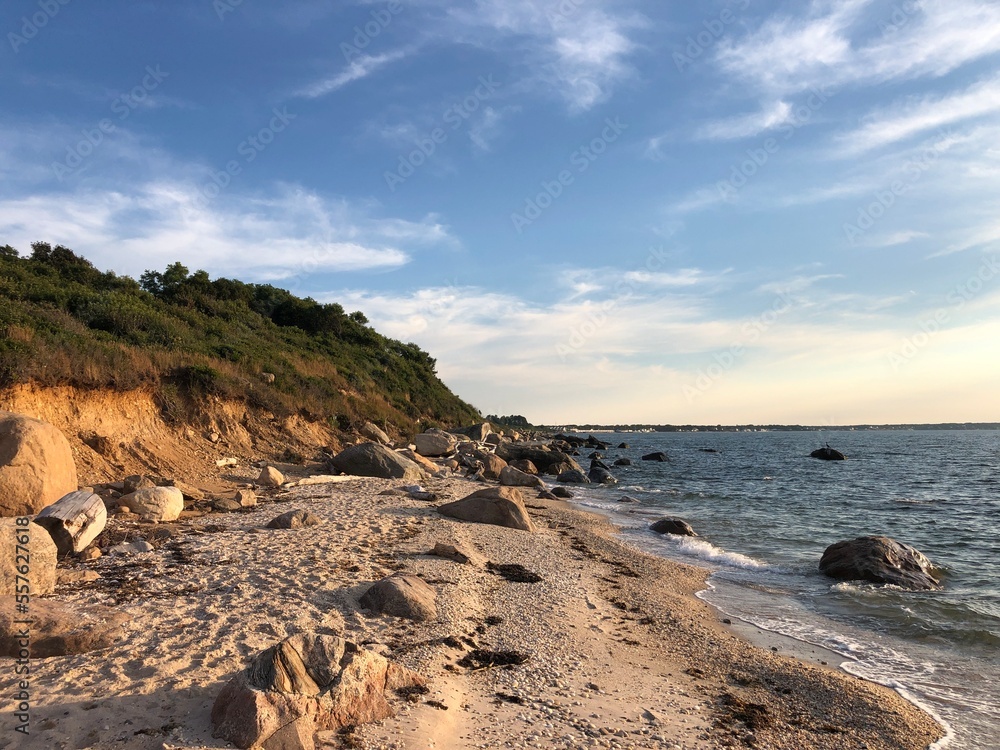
746, 126
915, 116
357, 69
838, 43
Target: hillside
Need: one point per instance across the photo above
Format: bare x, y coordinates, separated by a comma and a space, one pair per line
192, 348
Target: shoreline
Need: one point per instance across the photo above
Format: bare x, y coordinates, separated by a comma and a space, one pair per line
622, 652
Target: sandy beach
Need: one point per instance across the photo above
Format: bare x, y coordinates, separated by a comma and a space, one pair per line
617, 651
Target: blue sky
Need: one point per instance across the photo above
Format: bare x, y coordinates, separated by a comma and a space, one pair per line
587, 210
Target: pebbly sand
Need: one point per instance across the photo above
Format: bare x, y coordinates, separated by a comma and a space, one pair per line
620, 653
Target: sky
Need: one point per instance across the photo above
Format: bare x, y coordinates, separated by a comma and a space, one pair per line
617, 211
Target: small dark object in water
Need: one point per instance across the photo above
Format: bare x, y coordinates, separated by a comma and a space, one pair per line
483, 658
658, 456
828, 454
708, 450
514, 572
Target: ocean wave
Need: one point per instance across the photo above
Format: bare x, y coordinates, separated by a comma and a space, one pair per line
708, 552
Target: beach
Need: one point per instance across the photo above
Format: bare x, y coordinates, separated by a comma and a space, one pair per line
617, 650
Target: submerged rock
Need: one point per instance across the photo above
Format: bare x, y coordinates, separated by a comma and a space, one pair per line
675, 526
879, 559
828, 454
658, 456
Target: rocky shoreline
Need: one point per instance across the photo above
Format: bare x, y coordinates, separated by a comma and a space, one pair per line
613, 648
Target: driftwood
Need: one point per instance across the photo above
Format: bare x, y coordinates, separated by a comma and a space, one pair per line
74, 521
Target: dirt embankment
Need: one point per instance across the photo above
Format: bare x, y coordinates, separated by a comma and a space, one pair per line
114, 434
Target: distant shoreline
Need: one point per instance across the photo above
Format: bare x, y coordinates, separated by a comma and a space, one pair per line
770, 427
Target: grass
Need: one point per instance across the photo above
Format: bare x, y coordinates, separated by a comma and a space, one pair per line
188, 337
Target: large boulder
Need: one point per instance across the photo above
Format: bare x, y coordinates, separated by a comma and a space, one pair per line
303, 685
511, 477
828, 454
374, 433
270, 477
402, 596
74, 521
573, 476
434, 443
523, 464
156, 504
42, 555
500, 506
675, 526
36, 465
879, 559
477, 432
493, 466
600, 475
659, 456
59, 628
374, 460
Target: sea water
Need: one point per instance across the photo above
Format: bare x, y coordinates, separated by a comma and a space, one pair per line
765, 511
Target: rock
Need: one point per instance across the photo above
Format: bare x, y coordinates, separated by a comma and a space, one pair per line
267, 377
458, 554
879, 559
91, 553
137, 482
246, 498
223, 462
511, 477
562, 492
675, 526
573, 476
658, 456
374, 433
477, 432
305, 684
64, 577
599, 475
493, 439
542, 459
452, 464
623, 446
156, 504
434, 442
492, 466
623, 462
36, 465
131, 548
828, 454
213, 437
294, 519
424, 463
59, 628
402, 595
546, 495
500, 506
627, 499
226, 505
526, 466
42, 555
270, 477
191, 494
598, 463
595, 456
74, 521
561, 468
374, 460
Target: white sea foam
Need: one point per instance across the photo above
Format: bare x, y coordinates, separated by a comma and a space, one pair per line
707, 551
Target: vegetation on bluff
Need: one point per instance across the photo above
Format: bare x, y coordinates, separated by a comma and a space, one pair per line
189, 337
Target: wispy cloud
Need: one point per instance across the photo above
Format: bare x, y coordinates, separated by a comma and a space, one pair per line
914, 116
746, 126
361, 68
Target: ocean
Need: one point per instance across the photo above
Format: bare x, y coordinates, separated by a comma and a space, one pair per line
765, 511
